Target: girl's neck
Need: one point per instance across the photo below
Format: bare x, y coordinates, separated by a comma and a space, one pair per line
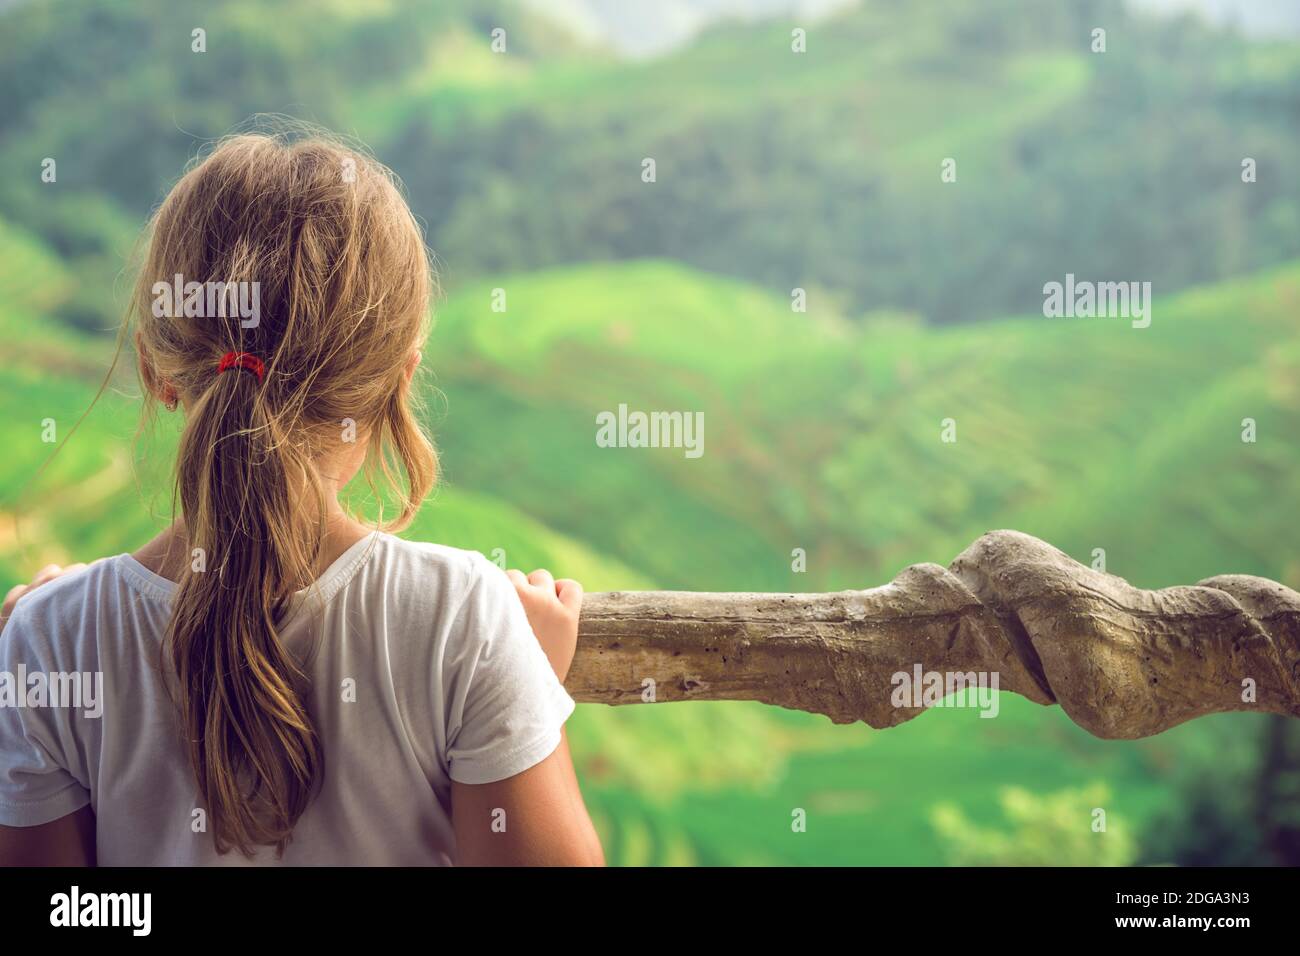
168, 555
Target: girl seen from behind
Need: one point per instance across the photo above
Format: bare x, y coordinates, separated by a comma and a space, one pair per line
282, 683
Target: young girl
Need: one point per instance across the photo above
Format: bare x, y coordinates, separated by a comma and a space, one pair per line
281, 684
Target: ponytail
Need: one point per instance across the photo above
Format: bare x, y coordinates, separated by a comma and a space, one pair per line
254, 751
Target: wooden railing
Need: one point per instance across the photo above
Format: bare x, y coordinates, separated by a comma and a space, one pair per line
1122, 662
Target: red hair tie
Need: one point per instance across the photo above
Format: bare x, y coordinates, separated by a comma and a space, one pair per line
244, 360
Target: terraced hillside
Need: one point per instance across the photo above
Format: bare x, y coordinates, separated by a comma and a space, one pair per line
825, 435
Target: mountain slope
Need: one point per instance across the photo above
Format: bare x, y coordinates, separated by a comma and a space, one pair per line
825, 436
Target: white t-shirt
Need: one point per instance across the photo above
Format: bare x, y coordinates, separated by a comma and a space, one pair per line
423, 670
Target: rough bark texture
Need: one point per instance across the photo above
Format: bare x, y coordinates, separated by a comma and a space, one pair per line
1122, 662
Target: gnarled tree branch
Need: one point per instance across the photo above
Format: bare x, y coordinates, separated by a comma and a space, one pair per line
1122, 662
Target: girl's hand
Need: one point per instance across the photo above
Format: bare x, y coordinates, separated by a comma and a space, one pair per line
552, 608
47, 573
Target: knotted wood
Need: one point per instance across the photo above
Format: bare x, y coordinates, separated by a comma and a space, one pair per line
1121, 661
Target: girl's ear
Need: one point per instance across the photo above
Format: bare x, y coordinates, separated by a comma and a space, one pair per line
412, 364
160, 390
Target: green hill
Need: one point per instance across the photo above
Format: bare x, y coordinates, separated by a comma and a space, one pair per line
825, 436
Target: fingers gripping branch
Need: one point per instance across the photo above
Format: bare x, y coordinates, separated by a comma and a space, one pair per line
1121, 661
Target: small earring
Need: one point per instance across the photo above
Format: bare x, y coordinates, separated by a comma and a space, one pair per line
170, 404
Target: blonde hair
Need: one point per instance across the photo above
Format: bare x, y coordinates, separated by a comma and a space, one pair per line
344, 288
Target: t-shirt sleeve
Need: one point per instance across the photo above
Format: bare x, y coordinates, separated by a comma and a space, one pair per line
35, 785
505, 705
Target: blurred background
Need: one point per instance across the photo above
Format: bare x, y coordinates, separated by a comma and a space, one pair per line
775, 171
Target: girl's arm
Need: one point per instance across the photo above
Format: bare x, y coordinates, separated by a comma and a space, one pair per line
537, 817
67, 841
44, 575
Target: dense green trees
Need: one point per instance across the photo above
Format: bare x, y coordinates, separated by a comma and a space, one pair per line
816, 170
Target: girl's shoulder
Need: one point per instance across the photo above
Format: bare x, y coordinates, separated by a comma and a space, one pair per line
424, 575
425, 596
398, 557
51, 623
